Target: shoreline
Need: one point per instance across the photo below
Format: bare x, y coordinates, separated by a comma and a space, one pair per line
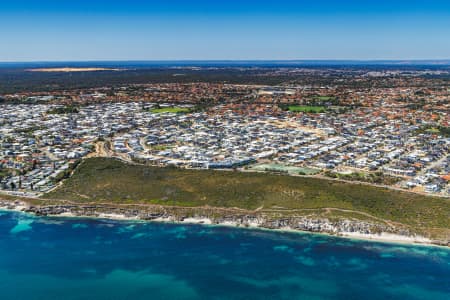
382, 237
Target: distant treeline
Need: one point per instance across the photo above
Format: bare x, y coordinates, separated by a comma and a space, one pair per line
16, 79
19, 80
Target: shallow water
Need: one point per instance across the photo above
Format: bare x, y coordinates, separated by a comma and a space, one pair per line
59, 258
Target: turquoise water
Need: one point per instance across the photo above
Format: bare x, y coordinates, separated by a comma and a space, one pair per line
57, 258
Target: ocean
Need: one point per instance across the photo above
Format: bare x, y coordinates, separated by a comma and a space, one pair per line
74, 258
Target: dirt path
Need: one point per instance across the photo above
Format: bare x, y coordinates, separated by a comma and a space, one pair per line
100, 150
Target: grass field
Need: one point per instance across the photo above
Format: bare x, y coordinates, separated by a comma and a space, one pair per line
307, 109
112, 181
170, 110
283, 168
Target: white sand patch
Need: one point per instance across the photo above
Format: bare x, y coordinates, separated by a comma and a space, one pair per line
388, 237
197, 220
229, 223
67, 214
72, 69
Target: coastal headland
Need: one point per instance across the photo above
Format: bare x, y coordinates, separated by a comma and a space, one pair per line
110, 188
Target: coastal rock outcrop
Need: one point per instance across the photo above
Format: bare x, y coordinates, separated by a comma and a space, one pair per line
342, 227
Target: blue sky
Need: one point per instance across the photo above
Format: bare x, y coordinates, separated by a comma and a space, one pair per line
55, 30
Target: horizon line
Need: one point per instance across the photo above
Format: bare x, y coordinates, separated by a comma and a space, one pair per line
445, 63
233, 60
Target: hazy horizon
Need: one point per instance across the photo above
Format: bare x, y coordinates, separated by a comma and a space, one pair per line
440, 61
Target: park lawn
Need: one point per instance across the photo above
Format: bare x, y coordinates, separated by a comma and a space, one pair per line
176, 110
307, 109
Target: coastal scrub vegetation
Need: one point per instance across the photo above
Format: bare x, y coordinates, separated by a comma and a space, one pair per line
375, 178
106, 180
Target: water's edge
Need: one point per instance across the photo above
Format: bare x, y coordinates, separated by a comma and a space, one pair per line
349, 229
